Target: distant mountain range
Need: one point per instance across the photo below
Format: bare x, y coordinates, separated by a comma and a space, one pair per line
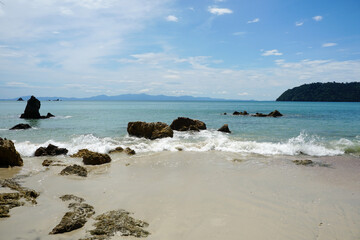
125, 97
323, 92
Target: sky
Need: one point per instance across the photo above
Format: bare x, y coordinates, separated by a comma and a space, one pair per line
232, 49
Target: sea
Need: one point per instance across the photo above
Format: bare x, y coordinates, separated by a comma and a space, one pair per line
307, 128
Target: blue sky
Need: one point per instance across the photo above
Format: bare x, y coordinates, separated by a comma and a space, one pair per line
232, 49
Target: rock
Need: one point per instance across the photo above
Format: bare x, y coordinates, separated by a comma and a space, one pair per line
20, 99
225, 113
108, 224
69, 197
259, 115
149, 130
236, 113
244, 113
275, 113
81, 153
130, 151
20, 126
93, 158
303, 162
32, 109
29, 194
50, 150
117, 150
224, 128
47, 162
74, 219
186, 124
49, 115
8, 154
74, 170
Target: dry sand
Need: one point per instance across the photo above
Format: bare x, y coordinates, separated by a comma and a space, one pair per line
187, 195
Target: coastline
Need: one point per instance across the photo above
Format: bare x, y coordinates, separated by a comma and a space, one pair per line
200, 195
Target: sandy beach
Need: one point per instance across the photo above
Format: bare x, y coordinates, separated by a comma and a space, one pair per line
189, 195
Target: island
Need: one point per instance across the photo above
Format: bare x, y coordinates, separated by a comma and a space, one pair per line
323, 92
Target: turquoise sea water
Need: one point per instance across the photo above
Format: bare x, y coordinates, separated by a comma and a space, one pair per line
312, 128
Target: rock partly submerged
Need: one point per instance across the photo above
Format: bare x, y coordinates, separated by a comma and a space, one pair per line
244, 113
32, 110
274, 114
117, 150
303, 162
21, 126
224, 128
129, 151
50, 150
74, 170
8, 154
151, 130
186, 124
92, 158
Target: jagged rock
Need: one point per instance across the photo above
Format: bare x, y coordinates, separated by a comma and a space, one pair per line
275, 113
69, 197
186, 124
74, 170
20, 126
81, 153
49, 115
130, 151
117, 150
224, 128
149, 130
20, 99
108, 224
93, 158
32, 109
8, 154
259, 115
50, 150
74, 219
303, 162
29, 194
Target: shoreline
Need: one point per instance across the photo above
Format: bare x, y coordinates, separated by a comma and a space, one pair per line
200, 195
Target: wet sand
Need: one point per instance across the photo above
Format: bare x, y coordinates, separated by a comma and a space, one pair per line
189, 195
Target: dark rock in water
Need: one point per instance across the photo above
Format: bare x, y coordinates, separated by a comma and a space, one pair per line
81, 153
93, 158
186, 124
224, 128
32, 109
130, 151
225, 113
303, 162
49, 115
74, 219
108, 224
244, 113
20, 126
50, 150
275, 113
69, 197
47, 162
236, 113
20, 99
149, 130
8, 154
117, 150
74, 170
259, 115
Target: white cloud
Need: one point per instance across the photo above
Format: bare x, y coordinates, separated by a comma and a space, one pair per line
329, 44
254, 20
299, 23
239, 33
273, 52
172, 18
66, 11
243, 94
317, 18
219, 11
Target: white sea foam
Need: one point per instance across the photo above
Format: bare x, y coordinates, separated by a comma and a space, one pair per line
198, 141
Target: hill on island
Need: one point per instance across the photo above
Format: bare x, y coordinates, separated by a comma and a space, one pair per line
323, 92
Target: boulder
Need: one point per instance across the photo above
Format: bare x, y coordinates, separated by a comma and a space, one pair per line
224, 128
20, 126
244, 113
8, 154
49, 115
20, 99
236, 113
149, 130
81, 153
74, 170
93, 158
129, 151
50, 150
275, 113
186, 124
117, 150
32, 109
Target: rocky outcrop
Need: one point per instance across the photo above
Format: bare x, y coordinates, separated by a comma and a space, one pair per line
303, 162
151, 131
93, 158
275, 113
32, 110
20, 126
20, 99
71, 197
8, 154
81, 153
117, 150
74, 219
186, 124
110, 223
224, 128
50, 150
244, 113
129, 151
74, 170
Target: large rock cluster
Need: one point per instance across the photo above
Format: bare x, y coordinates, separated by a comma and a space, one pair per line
50, 150
151, 131
8, 154
186, 124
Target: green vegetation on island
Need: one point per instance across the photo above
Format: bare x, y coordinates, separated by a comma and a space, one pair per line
323, 92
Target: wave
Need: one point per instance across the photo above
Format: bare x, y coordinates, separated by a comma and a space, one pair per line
207, 140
